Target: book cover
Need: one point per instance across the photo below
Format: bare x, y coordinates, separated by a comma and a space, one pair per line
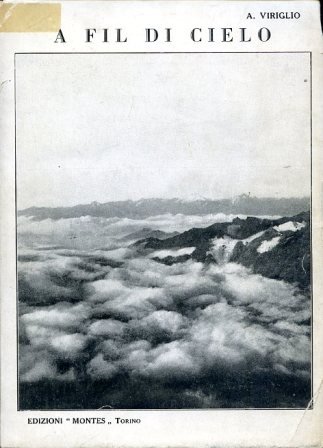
161, 251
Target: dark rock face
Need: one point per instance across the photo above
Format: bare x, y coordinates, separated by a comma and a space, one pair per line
288, 259
169, 261
147, 232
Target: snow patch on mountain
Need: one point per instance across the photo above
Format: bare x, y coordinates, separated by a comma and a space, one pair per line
290, 226
253, 237
268, 245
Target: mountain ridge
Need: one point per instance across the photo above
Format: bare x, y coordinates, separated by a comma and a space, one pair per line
143, 208
275, 248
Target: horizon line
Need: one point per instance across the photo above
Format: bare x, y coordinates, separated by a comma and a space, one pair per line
156, 198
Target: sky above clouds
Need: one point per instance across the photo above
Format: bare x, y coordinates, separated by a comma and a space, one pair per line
105, 127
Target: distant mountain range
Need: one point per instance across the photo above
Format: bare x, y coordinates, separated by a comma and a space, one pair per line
244, 204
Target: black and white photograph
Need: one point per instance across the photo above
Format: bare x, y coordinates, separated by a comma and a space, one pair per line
164, 230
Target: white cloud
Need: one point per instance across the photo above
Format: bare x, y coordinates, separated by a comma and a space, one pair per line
106, 327
99, 368
60, 317
69, 344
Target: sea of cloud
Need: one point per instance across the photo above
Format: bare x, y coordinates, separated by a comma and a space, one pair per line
94, 307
